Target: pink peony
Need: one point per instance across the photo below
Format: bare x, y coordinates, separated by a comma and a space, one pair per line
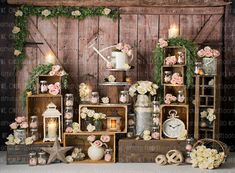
105, 138
56, 68
119, 46
91, 138
98, 143
54, 91
20, 119
24, 125
69, 130
52, 73
13, 125
171, 60
107, 157
216, 53
176, 79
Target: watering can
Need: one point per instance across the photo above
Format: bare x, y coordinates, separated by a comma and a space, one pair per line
118, 60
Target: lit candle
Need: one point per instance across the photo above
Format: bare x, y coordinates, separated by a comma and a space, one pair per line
50, 59
113, 124
173, 32
52, 129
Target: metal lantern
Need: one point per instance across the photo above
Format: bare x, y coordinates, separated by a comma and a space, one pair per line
114, 122
51, 123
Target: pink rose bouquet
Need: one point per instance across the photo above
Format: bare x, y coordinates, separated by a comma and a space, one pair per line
57, 71
170, 60
162, 43
176, 79
169, 98
54, 89
99, 141
20, 122
208, 52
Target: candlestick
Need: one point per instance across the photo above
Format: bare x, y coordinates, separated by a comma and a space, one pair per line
173, 32
52, 129
50, 59
113, 124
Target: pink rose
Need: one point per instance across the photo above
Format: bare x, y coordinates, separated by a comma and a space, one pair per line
171, 60
52, 73
54, 91
20, 119
69, 130
98, 143
56, 68
162, 43
201, 53
24, 125
107, 157
105, 138
216, 53
130, 53
57, 85
119, 46
208, 54
207, 48
155, 135
91, 138
13, 125
51, 86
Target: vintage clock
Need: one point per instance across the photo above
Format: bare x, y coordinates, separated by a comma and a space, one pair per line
173, 126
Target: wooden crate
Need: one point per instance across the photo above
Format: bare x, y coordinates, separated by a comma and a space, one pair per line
140, 151
173, 51
80, 140
182, 112
108, 110
174, 69
49, 79
37, 104
19, 154
173, 89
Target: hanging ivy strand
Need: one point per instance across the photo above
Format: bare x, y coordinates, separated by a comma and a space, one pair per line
191, 55
20, 29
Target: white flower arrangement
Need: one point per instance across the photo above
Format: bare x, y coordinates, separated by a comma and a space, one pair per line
143, 88
106, 11
18, 13
209, 114
105, 100
85, 112
12, 140
84, 92
17, 52
206, 158
76, 13
16, 30
46, 13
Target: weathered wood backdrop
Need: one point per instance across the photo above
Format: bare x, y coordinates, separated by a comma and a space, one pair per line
139, 26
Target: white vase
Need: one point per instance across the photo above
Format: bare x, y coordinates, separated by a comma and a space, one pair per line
95, 153
120, 59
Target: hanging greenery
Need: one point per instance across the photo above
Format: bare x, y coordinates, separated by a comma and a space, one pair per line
22, 14
191, 54
42, 69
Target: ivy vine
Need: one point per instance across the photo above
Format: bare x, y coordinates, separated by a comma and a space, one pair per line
42, 69
24, 12
191, 55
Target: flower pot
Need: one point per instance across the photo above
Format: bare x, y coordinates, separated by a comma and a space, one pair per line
95, 153
98, 125
20, 134
143, 111
209, 65
120, 59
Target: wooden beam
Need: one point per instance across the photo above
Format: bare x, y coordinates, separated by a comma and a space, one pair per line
120, 3
172, 10
207, 29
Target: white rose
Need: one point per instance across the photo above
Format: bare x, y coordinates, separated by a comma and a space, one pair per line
147, 137
141, 90
17, 52
210, 111
102, 116
76, 13
83, 115
203, 114
46, 13
111, 78
69, 159
29, 141
17, 140
105, 100
146, 132
90, 128
15, 30
84, 110
96, 116
10, 138
155, 86
153, 92
127, 67
90, 113
18, 13
106, 11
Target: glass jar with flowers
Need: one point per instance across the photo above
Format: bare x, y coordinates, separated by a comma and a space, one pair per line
207, 118
143, 107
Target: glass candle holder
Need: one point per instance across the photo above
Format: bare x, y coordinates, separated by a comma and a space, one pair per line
156, 107
32, 159
108, 155
124, 97
43, 87
34, 132
68, 113
167, 76
68, 128
95, 98
34, 122
180, 97
42, 159
155, 133
181, 58
69, 100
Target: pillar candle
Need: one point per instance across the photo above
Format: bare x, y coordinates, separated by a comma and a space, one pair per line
52, 129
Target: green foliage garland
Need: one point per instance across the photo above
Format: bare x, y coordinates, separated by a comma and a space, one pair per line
41, 69
21, 21
191, 54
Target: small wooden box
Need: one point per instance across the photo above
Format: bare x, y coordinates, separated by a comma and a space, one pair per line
80, 140
140, 151
174, 89
50, 80
108, 110
174, 69
19, 154
173, 51
37, 104
182, 112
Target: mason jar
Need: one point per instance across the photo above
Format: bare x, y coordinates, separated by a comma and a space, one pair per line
43, 87
42, 159
124, 97
156, 107
68, 126
155, 132
181, 58
69, 100
180, 97
108, 155
68, 113
95, 98
34, 122
167, 76
32, 158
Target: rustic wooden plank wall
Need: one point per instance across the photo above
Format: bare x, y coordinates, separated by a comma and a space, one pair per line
141, 27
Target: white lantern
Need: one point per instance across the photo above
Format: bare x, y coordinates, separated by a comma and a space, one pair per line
114, 122
51, 123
